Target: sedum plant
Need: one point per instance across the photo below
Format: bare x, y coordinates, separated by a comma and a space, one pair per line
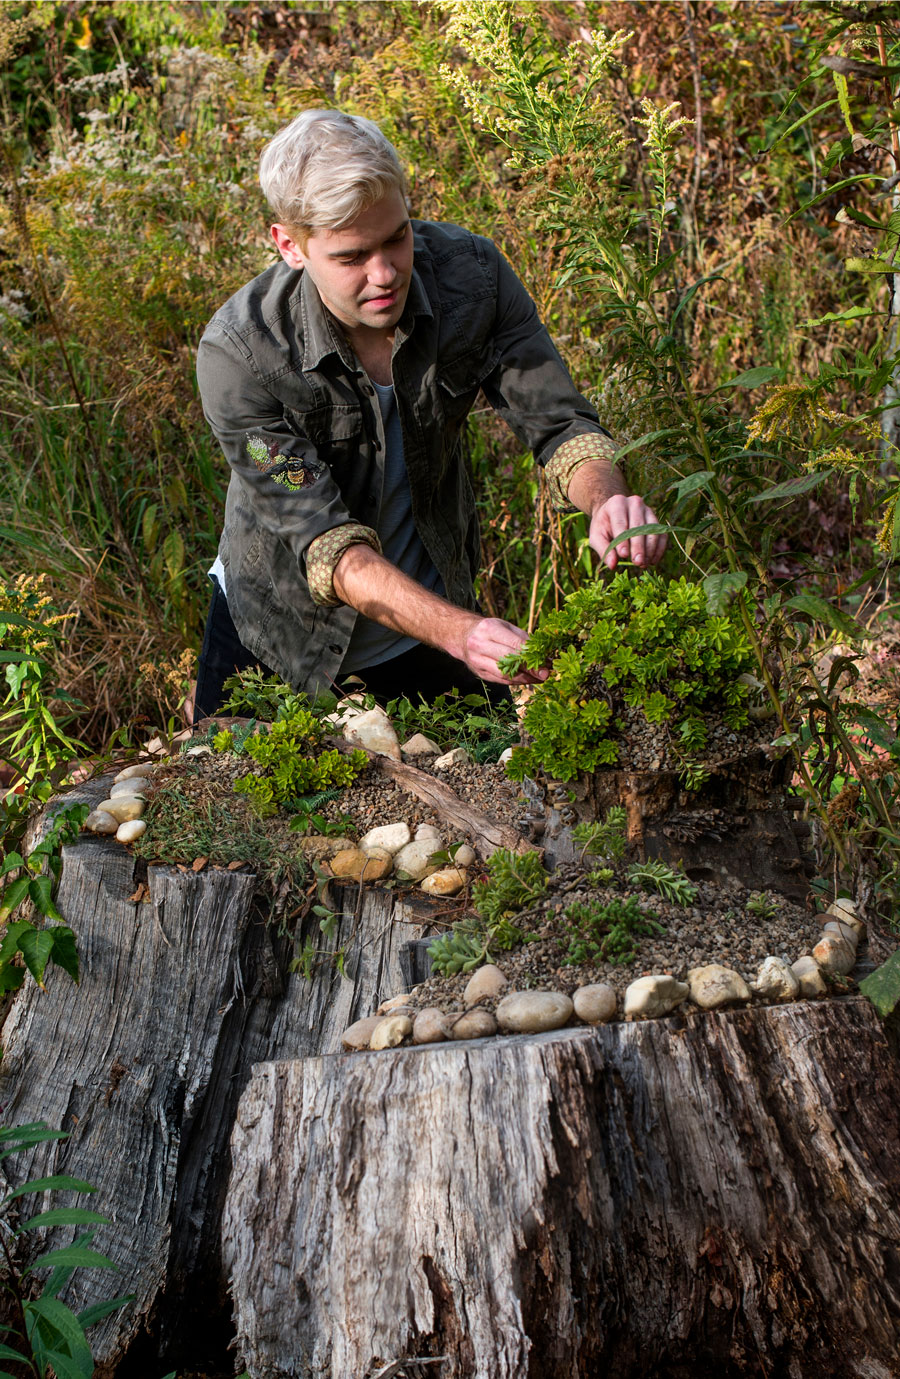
293, 767
645, 644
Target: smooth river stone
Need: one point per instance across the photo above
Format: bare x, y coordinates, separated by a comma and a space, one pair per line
446, 881
655, 995
130, 832
809, 975
393, 837
415, 859
531, 1012
98, 821
474, 1024
123, 808
420, 746
427, 833
430, 1026
484, 984
395, 1004
136, 786
457, 756
356, 865
390, 1032
358, 1035
595, 1004
842, 931
835, 955
465, 856
140, 768
714, 986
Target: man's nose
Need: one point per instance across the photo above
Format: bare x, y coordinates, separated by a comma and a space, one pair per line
382, 270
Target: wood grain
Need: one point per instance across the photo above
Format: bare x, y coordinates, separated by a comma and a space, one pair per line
716, 1194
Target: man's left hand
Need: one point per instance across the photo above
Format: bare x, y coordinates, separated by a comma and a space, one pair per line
620, 514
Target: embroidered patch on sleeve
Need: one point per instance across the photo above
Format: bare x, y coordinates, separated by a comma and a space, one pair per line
571, 455
287, 470
324, 553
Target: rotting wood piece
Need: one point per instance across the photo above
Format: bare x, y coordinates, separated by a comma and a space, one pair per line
143, 1063
487, 834
714, 1193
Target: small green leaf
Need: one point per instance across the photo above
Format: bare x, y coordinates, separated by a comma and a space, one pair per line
40, 893
13, 897
826, 613
720, 589
853, 313
751, 378
99, 1310
64, 1216
36, 948
11, 861
60, 1182
7, 1353
78, 1256
869, 266
48, 1318
883, 986
791, 487
646, 439
65, 954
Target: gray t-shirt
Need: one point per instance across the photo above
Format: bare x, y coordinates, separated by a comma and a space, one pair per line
401, 544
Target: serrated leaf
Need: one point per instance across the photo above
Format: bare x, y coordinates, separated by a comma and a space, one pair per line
40, 893
843, 94
645, 439
64, 1216
63, 1366
11, 860
882, 986
48, 1318
826, 613
173, 553
692, 482
853, 313
790, 488
13, 897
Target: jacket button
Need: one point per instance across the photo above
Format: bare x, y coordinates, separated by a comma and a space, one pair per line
372, 500
335, 649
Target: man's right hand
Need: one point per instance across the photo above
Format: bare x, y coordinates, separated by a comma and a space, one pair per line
487, 642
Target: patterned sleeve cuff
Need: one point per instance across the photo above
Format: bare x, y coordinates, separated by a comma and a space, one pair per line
568, 457
325, 551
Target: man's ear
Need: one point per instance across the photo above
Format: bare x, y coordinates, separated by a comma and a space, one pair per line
288, 247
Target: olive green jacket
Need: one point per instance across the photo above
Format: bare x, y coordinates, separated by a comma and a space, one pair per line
301, 428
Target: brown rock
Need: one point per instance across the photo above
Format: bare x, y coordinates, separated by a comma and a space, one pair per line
391, 1031
358, 1035
484, 984
474, 1024
430, 1026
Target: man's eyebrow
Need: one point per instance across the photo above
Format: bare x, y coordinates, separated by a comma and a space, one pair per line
350, 251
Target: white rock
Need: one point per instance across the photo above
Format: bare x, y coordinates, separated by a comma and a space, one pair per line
529, 1012
202, 750
713, 986
655, 995
844, 917
595, 1004
428, 833
136, 787
141, 768
130, 832
445, 881
457, 756
808, 974
420, 746
505, 755
374, 730
430, 1026
123, 808
775, 981
464, 856
390, 1032
474, 1024
842, 930
392, 837
359, 1034
833, 954
484, 984
844, 907
415, 859
98, 821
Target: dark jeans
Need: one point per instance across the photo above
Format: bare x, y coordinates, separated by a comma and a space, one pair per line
423, 670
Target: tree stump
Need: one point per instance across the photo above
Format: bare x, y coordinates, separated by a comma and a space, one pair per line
736, 825
710, 1194
143, 1063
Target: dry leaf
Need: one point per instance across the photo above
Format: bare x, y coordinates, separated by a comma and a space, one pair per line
199, 863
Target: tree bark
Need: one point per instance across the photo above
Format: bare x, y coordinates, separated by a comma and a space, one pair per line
143, 1063
710, 1194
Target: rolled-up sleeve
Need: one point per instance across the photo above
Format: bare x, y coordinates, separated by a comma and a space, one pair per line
531, 388
284, 483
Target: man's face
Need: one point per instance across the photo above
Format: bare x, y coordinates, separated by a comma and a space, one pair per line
363, 271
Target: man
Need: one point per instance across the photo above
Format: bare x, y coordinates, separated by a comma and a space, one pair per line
338, 383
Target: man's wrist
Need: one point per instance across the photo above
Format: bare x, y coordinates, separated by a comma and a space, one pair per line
592, 449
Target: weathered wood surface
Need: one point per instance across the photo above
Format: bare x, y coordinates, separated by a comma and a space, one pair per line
144, 1061
737, 825
715, 1194
487, 834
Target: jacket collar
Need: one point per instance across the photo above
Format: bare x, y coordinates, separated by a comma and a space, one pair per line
323, 336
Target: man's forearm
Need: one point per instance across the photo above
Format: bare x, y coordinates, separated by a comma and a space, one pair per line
373, 586
594, 482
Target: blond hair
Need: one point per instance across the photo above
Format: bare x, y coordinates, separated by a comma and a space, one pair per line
325, 168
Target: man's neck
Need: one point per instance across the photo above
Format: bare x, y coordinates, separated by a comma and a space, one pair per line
373, 349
